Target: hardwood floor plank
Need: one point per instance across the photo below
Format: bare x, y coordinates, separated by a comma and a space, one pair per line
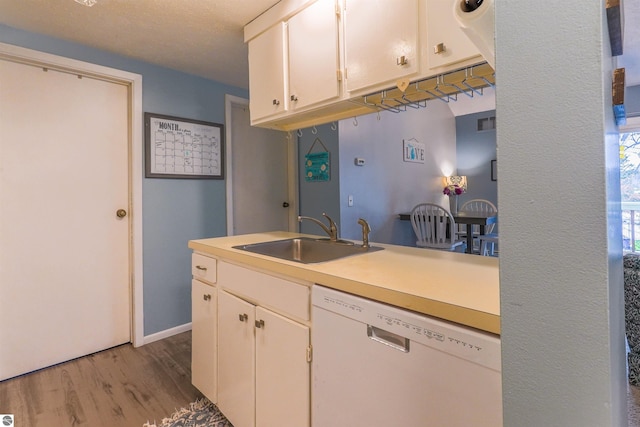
122, 386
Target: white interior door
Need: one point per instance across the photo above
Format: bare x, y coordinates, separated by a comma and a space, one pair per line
64, 253
258, 195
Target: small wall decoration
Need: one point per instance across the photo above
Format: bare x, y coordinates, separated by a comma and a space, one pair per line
317, 165
183, 148
413, 151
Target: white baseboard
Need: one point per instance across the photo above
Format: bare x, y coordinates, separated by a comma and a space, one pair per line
167, 333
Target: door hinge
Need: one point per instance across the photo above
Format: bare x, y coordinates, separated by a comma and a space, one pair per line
338, 9
309, 354
339, 75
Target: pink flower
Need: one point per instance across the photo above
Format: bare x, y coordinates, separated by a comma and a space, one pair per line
453, 189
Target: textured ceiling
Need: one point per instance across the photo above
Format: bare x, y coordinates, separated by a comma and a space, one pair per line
200, 37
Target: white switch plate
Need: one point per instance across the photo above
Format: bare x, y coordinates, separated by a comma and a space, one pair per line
350, 200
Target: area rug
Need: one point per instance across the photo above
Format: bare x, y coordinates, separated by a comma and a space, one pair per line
201, 413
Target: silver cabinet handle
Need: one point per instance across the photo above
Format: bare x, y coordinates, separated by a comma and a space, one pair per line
276, 102
439, 48
260, 323
243, 317
402, 60
207, 297
199, 267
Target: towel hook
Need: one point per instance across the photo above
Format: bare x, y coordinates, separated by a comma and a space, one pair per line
314, 130
334, 126
299, 132
355, 121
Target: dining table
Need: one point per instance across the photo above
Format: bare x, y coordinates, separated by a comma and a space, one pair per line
471, 218
468, 218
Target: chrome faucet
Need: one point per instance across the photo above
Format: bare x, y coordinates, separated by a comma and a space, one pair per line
366, 229
332, 230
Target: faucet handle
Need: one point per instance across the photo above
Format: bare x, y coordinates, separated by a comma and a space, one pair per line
333, 227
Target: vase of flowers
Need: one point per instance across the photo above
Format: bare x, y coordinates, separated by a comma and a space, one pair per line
455, 186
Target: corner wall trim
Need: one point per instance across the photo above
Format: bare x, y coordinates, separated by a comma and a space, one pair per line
167, 333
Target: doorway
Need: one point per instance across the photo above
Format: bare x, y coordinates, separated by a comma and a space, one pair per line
261, 194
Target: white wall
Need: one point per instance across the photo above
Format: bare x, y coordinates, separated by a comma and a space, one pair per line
386, 185
560, 246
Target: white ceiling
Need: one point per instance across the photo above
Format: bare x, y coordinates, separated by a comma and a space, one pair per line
200, 37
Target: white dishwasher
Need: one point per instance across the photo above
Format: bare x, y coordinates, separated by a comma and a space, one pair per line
376, 365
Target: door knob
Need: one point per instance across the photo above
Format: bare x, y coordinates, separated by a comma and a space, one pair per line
121, 213
285, 204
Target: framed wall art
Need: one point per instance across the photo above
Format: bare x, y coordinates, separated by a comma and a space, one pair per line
182, 148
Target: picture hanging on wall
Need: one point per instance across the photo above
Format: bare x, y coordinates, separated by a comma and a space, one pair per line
413, 151
317, 165
183, 148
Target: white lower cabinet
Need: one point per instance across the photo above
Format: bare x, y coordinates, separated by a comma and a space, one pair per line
282, 371
203, 337
263, 356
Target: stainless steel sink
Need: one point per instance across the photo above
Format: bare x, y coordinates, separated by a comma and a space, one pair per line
307, 250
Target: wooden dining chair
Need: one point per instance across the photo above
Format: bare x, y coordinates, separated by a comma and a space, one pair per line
478, 205
435, 228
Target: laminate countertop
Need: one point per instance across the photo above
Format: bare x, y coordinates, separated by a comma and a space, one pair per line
457, 287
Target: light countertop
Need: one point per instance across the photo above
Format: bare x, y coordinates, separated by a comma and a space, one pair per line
458, 287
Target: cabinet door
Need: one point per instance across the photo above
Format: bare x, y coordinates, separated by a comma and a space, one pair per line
236, 362
267, 63
282, 371
313, 55
378, 35
203, 338
446, 42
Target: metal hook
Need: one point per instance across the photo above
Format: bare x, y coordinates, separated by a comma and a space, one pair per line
378, 112
355, 121
334, 126
299, 132
314, 130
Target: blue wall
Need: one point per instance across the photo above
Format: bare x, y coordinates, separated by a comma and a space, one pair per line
174, 211
474, 152
318, 197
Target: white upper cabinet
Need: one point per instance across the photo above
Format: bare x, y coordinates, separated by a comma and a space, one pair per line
314, 57
267, 62
311, 61
381, 42
446, 42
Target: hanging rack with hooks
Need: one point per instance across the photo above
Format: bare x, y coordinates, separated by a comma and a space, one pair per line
469, 81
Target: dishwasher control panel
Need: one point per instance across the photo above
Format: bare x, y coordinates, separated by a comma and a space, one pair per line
479, 347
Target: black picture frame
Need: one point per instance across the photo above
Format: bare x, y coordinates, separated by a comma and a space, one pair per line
494, 170
176, 147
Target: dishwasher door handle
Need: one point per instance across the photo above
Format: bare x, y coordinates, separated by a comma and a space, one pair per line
388, 338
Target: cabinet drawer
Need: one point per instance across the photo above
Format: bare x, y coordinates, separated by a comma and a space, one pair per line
273, 292
204, 268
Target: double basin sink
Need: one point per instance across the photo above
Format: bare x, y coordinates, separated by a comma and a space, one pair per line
307, 250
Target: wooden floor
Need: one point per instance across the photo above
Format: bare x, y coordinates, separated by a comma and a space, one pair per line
119, 387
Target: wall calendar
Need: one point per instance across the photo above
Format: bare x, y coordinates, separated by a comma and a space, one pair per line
183, 148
